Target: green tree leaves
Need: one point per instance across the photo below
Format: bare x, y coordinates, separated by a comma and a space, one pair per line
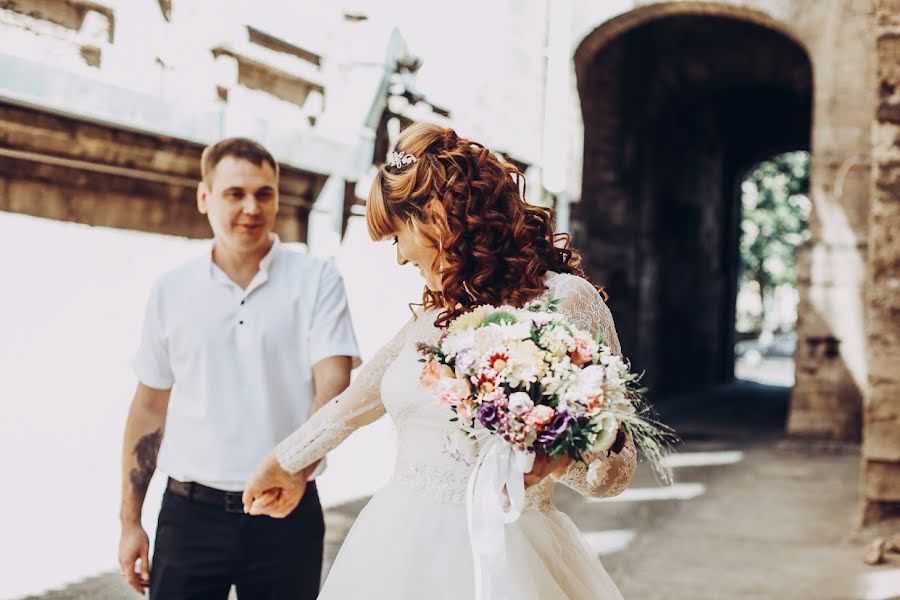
776, 210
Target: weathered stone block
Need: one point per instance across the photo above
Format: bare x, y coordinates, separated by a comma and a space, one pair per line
882, 440
881, 480
887, 49
885, 144
876, 512
888, 55
884, 358
94, 20
884, 237
888, 14
883, 399
818, 423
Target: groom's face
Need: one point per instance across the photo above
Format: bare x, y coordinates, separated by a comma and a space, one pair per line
241, 201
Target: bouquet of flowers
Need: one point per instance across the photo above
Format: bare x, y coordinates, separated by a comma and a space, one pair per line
541, 385
524, 382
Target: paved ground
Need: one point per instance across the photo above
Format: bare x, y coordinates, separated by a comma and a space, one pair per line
752, 515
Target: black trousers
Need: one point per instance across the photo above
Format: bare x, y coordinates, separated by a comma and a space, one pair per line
202, 550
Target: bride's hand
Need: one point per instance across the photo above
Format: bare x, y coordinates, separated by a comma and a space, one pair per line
273, 491
544, 466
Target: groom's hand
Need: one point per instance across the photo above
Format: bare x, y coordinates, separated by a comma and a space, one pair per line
272, 491
278, 502
134, 546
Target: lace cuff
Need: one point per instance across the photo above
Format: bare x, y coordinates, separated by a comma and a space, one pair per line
304, 447
359, 405
610, 479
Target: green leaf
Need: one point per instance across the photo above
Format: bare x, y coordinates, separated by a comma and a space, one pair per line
501, 317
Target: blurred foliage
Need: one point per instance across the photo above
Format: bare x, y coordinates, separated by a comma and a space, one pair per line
775, 220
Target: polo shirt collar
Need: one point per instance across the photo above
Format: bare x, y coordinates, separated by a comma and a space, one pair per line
265, 265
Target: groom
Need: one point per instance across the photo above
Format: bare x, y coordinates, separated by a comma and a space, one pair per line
238, 348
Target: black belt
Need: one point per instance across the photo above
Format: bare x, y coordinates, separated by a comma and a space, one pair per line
231, 502
195, 492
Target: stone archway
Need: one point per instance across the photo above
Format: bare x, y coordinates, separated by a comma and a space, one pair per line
678, 100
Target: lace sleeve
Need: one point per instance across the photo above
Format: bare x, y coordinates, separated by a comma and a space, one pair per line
359, 405
583, 305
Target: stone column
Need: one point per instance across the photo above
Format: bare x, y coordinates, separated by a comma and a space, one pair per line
881, 414
831, 365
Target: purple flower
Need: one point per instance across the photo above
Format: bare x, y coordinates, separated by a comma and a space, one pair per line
488, 415
557, 426
466, 360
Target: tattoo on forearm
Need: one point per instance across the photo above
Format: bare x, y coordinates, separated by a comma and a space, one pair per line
145, 452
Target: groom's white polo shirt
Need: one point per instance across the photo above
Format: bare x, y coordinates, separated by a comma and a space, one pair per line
239, 361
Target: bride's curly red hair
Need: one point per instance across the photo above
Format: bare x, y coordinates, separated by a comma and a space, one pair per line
493, 247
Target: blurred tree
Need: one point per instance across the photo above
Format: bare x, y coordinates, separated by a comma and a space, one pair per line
775, 221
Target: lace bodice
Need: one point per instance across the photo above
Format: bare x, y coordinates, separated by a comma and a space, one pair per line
426, 461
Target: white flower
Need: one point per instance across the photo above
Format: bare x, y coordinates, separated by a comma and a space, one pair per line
612, 362
609, 428
487, 339
561, 372
526, 362
520, 403
591, 379
516, 331
539, 319
452, 344
556, 340
596, 472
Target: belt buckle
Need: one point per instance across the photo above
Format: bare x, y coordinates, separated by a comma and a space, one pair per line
234, 502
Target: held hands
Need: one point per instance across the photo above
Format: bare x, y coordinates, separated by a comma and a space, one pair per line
273, 491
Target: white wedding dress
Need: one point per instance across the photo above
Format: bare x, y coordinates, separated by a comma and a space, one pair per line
411, 541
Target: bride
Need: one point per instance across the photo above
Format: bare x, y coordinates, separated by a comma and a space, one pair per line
454, 210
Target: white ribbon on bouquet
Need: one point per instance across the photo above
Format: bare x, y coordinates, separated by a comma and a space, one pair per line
489, 509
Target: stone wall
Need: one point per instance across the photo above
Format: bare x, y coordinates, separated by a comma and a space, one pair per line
675, 112
627, 74
881, 447
106, 105
62, 168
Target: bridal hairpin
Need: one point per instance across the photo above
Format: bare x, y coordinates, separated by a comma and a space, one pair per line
400, 159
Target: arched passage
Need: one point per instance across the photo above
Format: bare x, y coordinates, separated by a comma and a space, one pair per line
676, 107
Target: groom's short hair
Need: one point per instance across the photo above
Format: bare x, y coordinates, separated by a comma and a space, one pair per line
237, 147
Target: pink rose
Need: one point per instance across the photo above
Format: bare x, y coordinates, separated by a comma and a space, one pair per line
583, 352
432, 372
452, 391
539, 416
466, 411
595, 404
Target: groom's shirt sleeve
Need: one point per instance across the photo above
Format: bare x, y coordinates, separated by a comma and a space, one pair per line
151, 363
331, 333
